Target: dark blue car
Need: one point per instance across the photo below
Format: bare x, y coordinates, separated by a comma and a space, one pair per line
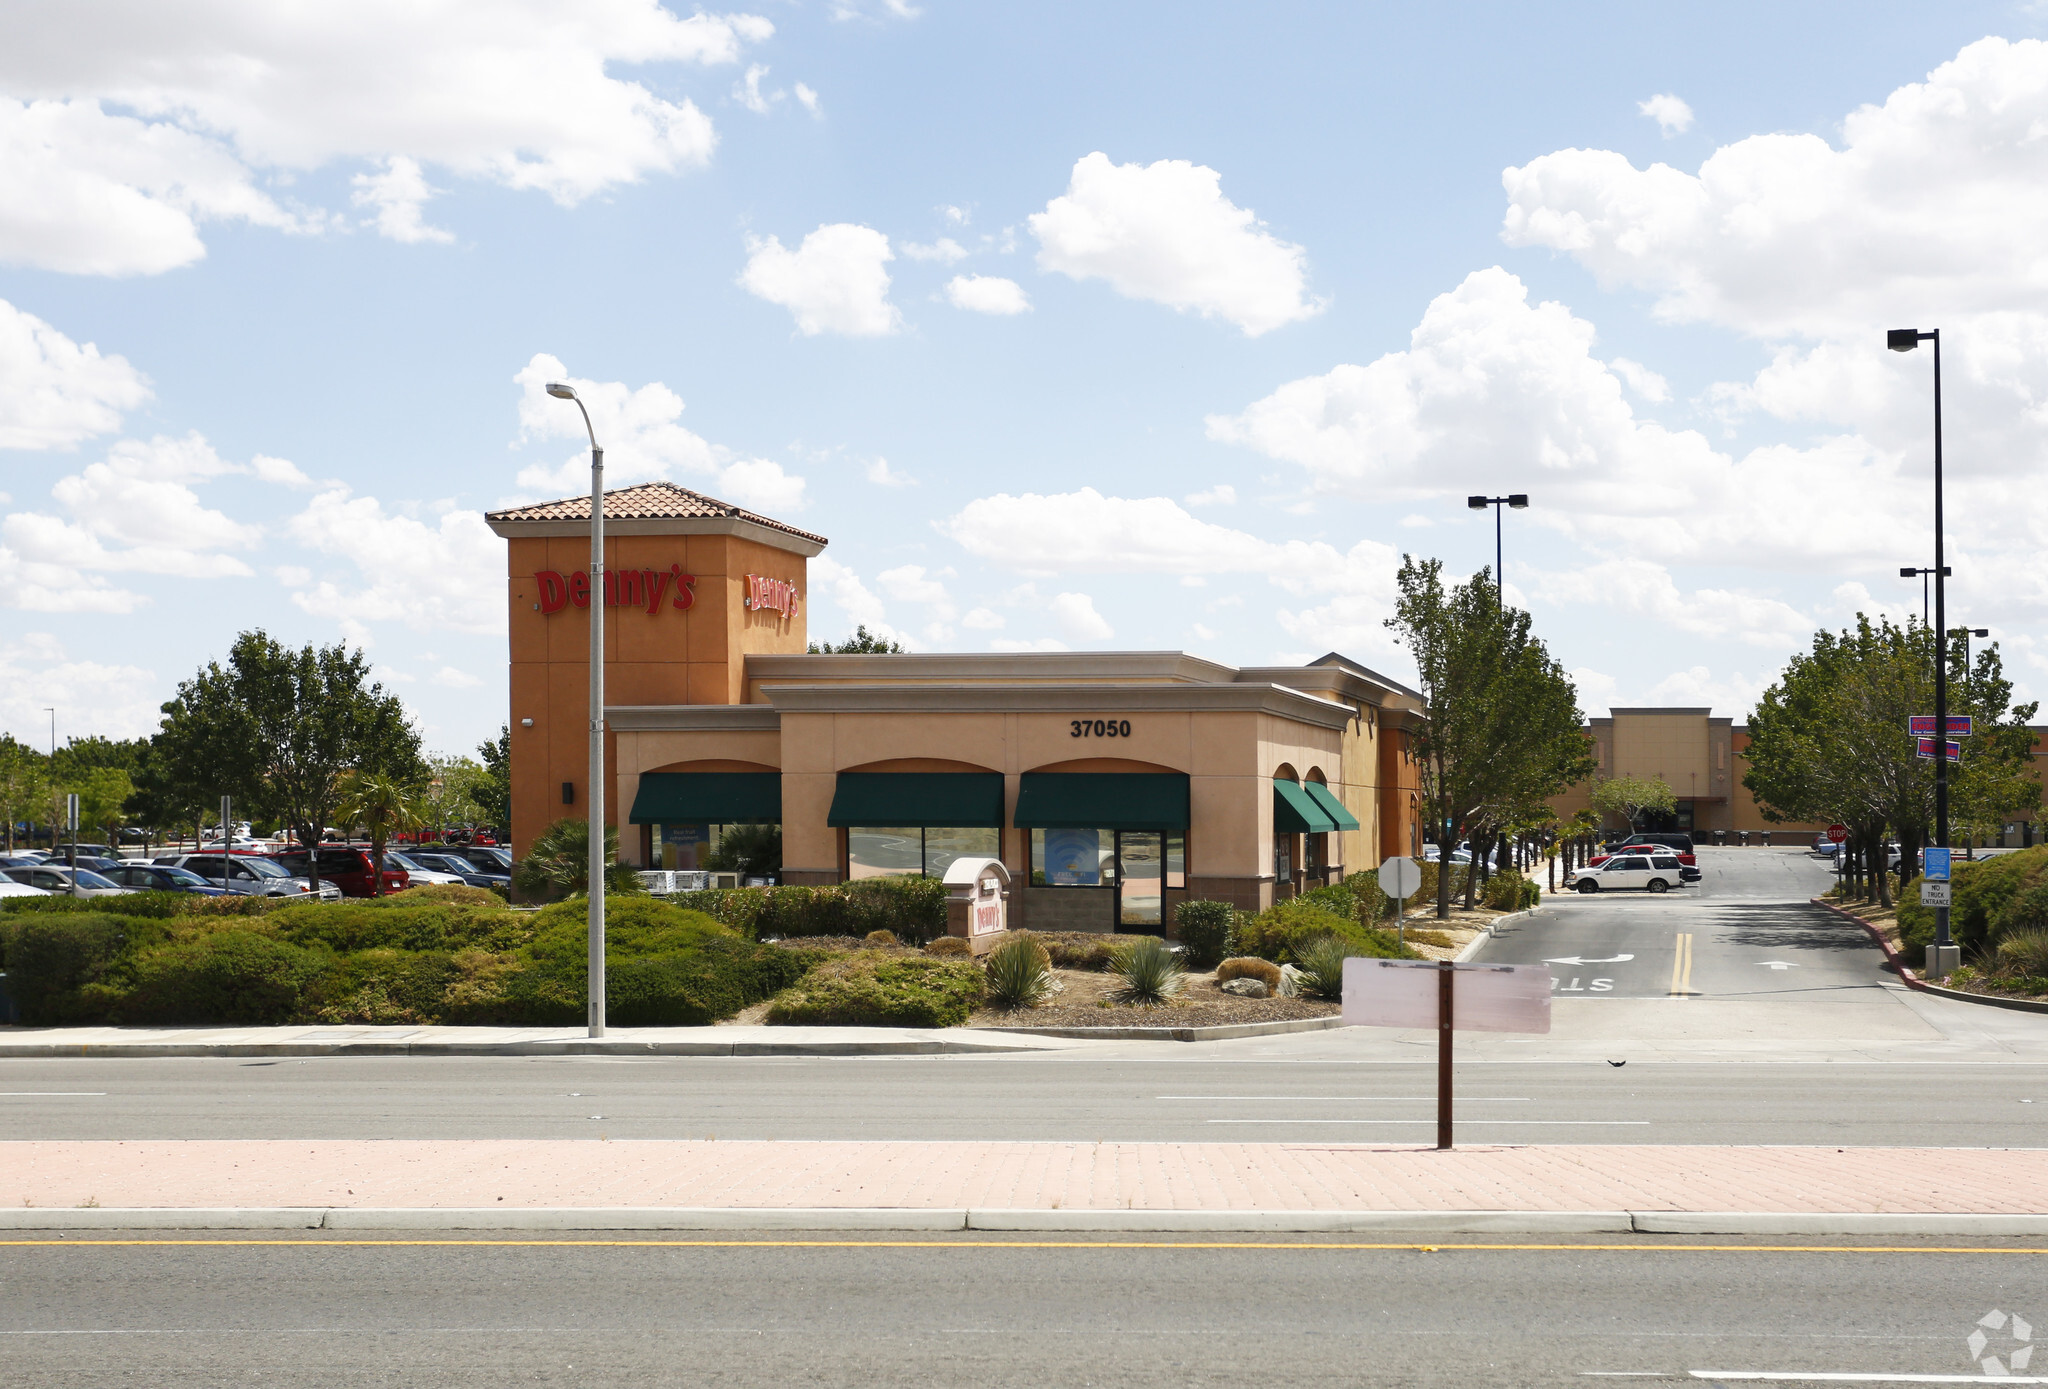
159, 877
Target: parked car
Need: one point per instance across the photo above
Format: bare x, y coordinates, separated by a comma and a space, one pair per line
51, 878
84, 851
1649, 846
417, 873
249, 875
11, 888
1431, 854
347, 868
461, 867
1654, 872
1824, 846
487, 858
160, 877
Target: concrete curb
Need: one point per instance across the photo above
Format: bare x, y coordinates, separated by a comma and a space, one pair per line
1220, 1033
588, 1047
716, 1219
1914, 981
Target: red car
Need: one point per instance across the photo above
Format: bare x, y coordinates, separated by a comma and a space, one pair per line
347, 868
1690, 860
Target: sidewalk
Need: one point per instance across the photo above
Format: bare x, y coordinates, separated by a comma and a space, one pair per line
669, 1184
510, 1041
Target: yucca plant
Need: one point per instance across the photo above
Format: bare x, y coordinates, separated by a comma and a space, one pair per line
1150, 971
1017, 974
1321, 962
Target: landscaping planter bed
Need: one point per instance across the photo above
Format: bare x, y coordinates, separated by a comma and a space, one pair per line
1079, 1003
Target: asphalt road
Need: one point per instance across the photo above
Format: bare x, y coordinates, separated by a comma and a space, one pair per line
1747, 930
1785, 1086
316, 1310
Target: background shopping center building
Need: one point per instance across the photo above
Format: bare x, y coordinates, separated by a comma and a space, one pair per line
1701, 758
1111, 784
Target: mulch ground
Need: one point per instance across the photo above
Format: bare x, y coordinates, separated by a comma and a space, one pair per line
1083, 1001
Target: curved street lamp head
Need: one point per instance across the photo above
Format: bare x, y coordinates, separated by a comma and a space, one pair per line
561, 390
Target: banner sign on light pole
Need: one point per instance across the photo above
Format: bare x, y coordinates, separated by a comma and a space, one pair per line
1959, 725
1926, 750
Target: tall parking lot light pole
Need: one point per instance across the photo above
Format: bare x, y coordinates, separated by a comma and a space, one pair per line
563, 391
1905, 340
1907, 571
1519, 501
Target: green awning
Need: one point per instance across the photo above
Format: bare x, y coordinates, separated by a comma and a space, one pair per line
708, 798
1102, 800
1295, 813
957, 800
1333, 808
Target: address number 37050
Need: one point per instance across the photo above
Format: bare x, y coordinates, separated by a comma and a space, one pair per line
1099, 728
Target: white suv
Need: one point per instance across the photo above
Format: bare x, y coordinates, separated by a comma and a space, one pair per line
1655, 872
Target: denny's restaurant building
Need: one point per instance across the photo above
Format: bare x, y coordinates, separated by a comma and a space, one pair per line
1113, 785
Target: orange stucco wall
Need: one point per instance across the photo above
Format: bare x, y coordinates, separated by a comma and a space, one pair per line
670, 656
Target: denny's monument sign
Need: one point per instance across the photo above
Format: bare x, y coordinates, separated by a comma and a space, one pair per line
700, 584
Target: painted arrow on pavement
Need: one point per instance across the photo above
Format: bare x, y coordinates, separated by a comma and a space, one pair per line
1777, 964
1575, 960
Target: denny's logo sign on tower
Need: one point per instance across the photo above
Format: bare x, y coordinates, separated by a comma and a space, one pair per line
651, 589
623, 588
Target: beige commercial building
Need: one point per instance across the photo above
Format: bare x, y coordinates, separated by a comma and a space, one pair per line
1699, 756
1111, 784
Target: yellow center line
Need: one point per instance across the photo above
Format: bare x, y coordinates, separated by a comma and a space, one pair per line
1021, 1244
1681, 965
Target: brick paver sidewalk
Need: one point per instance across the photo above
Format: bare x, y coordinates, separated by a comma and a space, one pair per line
514, 1174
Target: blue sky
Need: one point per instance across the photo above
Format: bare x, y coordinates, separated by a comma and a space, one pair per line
1097, 326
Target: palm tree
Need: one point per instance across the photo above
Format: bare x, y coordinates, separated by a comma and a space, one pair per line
381, 804
558, 864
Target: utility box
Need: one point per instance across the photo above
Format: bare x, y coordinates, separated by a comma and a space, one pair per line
977, 901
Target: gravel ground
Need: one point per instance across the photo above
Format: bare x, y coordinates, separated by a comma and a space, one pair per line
1080, 999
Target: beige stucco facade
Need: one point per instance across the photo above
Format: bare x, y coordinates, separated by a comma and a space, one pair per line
720, 686
1698, 755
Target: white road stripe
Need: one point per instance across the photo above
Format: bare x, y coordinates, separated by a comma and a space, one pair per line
1601, 1123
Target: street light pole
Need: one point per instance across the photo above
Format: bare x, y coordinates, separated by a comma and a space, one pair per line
563, 391
1907, 571
1517, 500
1905, 340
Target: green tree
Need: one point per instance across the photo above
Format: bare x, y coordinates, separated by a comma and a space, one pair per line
1501, 728
558, 864
861, 643
278, 728
493, 795
383, 805
1625, 798
24, 785
103, 796
452, 790
160, 801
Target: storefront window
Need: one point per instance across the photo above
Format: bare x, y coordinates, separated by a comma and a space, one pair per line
1073, 858
1176, 860
684, 846
910, 852
1141, 900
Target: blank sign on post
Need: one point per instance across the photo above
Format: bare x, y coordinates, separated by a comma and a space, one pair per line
1484, 998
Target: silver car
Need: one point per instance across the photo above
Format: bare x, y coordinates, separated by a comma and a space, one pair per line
251, 875
52, 877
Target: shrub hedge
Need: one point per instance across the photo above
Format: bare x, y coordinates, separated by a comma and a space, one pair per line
1992, 897
1204, 931
1282, 930
873, 988
417, 957
911, 909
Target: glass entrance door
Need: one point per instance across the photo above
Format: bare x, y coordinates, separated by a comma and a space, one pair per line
1139, 899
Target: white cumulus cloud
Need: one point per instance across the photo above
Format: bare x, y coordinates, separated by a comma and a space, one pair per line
126, 125
991, 294
1671, 114
834, 282
1077, 619
1164, 232
397, 195
429, 575
58, 392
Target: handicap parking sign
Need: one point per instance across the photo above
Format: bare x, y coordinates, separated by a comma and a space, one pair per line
1934, 865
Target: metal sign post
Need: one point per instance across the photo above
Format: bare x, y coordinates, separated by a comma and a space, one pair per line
1446, 996
71, 828
1399, 877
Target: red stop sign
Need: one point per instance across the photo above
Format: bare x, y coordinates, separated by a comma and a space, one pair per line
1837, 833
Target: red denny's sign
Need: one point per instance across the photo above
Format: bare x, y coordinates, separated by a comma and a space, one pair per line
623, 588
771, 595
